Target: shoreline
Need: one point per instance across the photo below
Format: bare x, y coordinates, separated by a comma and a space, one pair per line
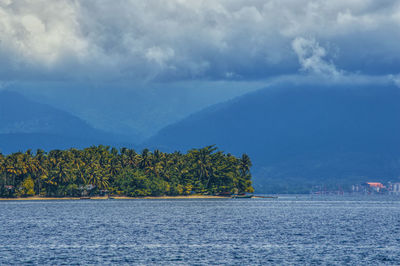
116, 198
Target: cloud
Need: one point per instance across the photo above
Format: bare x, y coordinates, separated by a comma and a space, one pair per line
133, 65
195, 39
311, 57
395, 79
39, 34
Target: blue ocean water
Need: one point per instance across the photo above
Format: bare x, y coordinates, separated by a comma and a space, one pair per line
288, 230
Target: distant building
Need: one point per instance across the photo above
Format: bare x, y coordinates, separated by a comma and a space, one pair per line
357, 188
376, 186
396, 188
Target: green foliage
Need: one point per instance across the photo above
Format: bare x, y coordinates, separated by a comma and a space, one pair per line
26, 188
133, 183
99, 170
72, 190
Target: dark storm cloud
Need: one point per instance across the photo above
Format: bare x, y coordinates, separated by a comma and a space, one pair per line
194, 39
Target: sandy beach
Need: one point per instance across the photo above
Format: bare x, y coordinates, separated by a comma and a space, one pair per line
118, 198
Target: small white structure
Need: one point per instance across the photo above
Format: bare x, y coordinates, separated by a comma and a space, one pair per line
396, 188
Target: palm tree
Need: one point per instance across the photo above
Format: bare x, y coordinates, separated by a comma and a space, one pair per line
2, 161
132, 158
202, 165
97, 177
145, 160
244, 173
15, 167
245, 163
42, 166
2, 170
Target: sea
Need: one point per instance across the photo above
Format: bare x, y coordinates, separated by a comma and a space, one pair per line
289, 230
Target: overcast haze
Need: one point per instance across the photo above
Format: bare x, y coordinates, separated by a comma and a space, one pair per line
136, 66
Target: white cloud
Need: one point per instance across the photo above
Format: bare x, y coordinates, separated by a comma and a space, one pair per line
159, 55
311, 57
35, 34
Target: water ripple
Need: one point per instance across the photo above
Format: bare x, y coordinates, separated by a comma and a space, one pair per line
304, 230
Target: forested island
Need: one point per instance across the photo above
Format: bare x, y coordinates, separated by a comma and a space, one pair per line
101, 170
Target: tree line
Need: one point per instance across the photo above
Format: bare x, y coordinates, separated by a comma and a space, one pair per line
100, 170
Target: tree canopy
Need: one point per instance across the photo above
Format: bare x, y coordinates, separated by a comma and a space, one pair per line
102, 169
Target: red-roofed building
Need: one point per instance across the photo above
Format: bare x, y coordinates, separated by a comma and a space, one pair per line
376, 186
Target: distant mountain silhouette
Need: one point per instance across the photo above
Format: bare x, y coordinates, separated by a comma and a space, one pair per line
301, 136
25, 124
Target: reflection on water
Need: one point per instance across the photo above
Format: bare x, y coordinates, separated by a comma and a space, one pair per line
288, 230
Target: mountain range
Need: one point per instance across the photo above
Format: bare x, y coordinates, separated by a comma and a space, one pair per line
298, 136
302, 136
25, 124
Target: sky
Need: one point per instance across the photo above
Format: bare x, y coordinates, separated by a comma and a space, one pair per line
133, 66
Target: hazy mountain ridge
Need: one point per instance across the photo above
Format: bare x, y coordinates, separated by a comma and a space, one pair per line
25, 124
302, 135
